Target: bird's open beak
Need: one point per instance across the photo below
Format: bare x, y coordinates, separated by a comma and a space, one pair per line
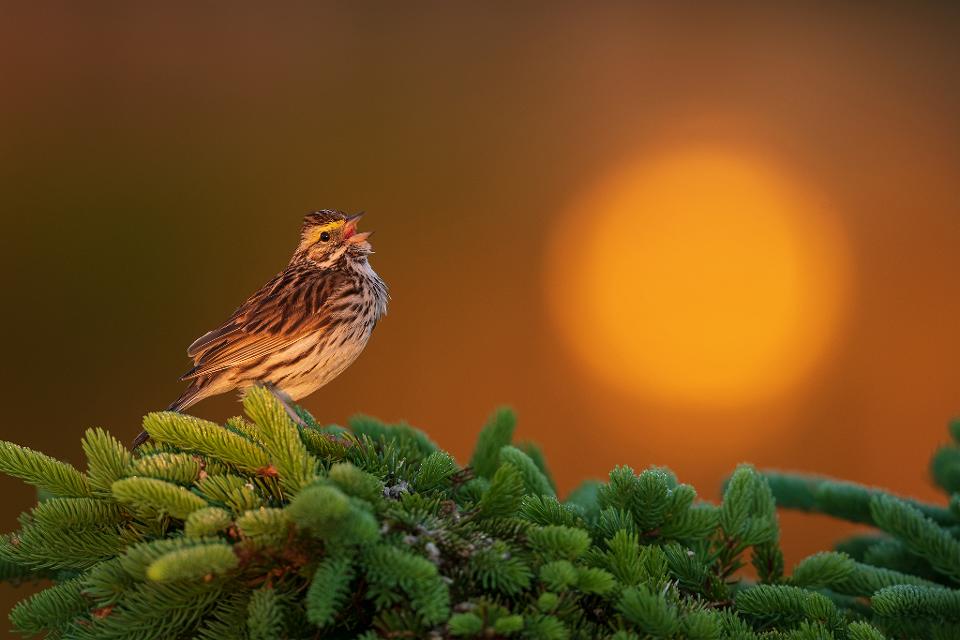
350, 230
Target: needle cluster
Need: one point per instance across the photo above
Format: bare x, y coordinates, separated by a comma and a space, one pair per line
266, 529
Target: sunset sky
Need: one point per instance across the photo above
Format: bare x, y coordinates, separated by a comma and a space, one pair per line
688, 236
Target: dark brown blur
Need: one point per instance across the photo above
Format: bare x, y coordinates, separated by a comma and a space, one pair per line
155, 165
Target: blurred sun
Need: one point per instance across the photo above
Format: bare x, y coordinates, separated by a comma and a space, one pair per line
699, 277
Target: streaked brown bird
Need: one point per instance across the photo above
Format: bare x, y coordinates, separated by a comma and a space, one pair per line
301, 329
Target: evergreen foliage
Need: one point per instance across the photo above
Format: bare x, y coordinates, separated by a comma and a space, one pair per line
269, 529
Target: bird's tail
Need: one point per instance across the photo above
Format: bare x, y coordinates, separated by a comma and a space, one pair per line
190, 396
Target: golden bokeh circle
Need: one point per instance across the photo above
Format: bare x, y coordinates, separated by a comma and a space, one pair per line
699, 277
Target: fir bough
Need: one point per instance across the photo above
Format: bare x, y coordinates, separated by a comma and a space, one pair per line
269, 529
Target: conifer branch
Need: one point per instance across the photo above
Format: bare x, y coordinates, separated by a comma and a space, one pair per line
107, 460
192, 434
295, 466
42, 471
271, 529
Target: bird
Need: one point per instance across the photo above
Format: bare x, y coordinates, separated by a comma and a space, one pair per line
300, 330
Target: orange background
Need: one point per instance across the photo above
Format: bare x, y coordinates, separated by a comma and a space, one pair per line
155, 164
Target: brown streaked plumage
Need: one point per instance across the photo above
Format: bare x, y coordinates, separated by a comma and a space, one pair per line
301, 329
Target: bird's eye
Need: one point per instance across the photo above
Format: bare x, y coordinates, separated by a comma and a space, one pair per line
324, 236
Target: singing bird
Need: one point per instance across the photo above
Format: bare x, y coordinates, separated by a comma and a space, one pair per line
301, 329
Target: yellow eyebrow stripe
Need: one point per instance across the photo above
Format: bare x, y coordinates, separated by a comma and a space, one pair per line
330, 226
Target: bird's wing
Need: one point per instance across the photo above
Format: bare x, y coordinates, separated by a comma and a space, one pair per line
287, 309
201, 344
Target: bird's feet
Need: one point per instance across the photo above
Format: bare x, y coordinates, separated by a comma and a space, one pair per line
287, 403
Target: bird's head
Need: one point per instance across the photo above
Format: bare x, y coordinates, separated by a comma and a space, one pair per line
329, 237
